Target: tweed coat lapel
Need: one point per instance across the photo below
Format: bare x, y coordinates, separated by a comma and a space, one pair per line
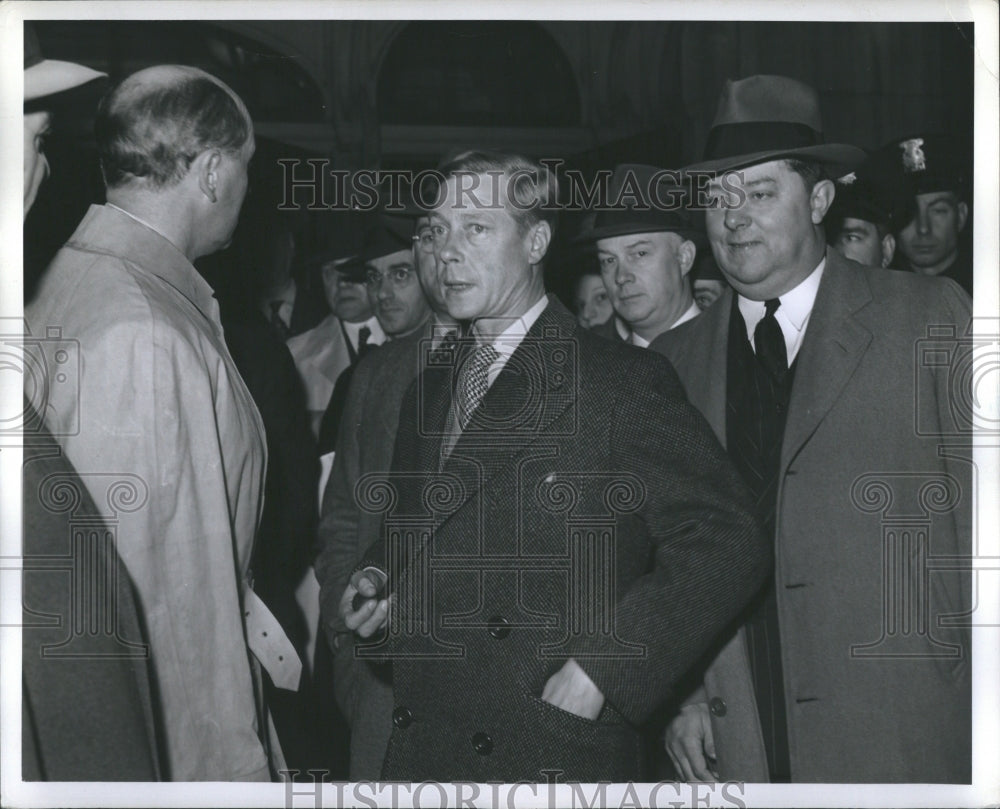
535, 387
833, 346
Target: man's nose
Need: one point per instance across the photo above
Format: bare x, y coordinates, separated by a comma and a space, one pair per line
447, 249
736, 218
923, 221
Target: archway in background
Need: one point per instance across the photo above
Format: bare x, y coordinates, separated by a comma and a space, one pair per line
477, 73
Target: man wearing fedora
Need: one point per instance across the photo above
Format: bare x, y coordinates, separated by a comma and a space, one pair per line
645, 250
395, 295
323, 352
807, 372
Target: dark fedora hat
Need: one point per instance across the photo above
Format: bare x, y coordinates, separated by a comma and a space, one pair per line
764, 118
641, 199
390, 234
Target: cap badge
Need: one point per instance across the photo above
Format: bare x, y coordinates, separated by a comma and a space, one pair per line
913, 156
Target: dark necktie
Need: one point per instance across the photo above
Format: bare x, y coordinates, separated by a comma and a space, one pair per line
769, 342
279, 325
444, 353
363, 345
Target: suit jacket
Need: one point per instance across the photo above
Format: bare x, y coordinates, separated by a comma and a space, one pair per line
321, 355
366, 438
87, 710
871, 432
586, 511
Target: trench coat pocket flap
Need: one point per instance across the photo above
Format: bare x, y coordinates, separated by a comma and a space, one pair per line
270, 645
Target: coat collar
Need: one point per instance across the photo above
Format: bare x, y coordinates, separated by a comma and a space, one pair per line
833, 346
536, 386
105, 229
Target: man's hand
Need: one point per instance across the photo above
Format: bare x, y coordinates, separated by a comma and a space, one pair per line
371, 615
572, 690
690, 745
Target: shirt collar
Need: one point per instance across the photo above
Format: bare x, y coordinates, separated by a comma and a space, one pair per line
796, 304
354, 329
630, 336
692, 312
510, 338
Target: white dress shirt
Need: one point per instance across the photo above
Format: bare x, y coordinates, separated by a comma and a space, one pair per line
507, 341
792, 315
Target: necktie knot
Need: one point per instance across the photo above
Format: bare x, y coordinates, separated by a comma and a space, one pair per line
771, 306
363, 345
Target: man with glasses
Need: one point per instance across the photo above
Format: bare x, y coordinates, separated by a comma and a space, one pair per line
394, 295
364, 446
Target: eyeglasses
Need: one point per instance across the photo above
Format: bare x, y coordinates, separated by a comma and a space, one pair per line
397, 276
424, 240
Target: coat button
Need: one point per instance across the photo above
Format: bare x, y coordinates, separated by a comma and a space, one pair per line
499, 627
402, 718
717, 706
482, 743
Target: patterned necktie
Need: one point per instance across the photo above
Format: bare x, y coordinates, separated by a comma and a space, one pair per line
279, 325
474, 381
769, 342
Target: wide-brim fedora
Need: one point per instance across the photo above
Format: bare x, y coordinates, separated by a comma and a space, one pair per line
640, 199
763, 118
45, 77
390, 234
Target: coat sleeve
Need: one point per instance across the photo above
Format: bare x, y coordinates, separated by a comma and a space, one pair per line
339, 538
709, 555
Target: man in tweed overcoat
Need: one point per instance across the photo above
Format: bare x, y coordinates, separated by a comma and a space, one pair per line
563, 536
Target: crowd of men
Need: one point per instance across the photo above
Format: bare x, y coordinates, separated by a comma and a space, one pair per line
624, 543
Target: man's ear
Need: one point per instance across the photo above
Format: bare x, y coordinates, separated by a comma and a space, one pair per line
821, 199
686, 253
963, 215
888, 249
538, 241
207, 166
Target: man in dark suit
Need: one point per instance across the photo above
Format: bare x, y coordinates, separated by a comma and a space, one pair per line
396, 295
364, 447
810, 371
563, 536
